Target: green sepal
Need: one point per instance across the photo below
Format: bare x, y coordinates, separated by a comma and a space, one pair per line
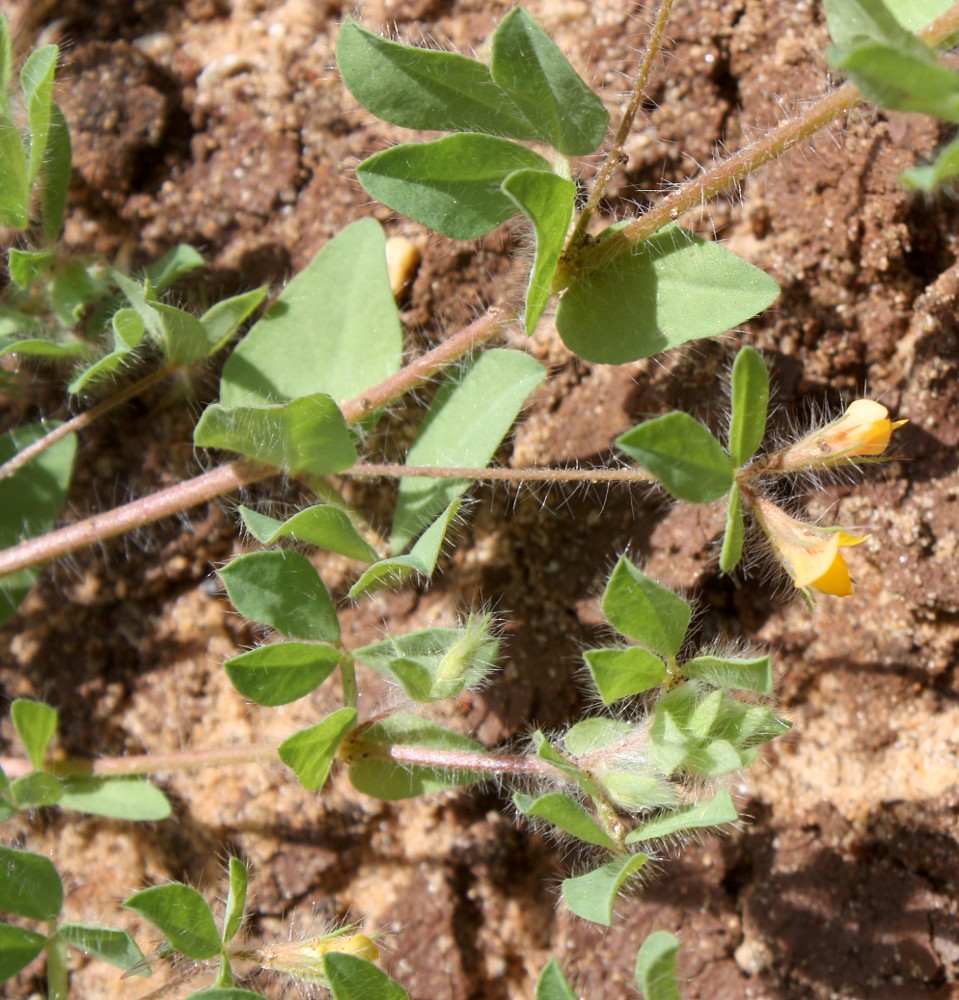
310, 753
592, 896
436, 663
55, 176
641, 609
682, 454
236, 898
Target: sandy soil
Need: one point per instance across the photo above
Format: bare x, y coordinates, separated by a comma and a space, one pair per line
225, 125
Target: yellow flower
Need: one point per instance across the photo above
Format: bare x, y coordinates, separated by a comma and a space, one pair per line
863, 431
809, 554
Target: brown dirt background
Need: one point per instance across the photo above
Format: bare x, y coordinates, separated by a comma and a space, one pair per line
224, 124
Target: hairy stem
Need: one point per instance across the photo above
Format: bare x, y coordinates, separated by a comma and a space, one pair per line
539, 474
732, 171
615, 155
458, 760
82, 420
234, 475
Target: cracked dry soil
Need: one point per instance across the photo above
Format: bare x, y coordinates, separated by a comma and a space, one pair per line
223, 124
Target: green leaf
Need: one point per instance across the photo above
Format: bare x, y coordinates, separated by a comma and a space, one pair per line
284, 591
638, 792
944, 168
901, 80
469, 417
281, 672
565, 813
18, 948
55, 175
385, 779
682, 454
594, 734
142, 299
621, 672
334, 329
6, 62
552, 984
184, 340
128, 331
421, 560
236, 900
352, 978
36, 79
303, 435
108, 944
656, 967
74, 288
222, 320
36, 790
322, 525
546, 751
732, 550
547, 200
310, 752
133, 799
425, 89
643, 610
452, 185
14, 183
36, 725
28, 265
750, 400
715, 812
182, 915
732, 672
540, 81
852, 22
226, 993
436, 663
30, 500
672, 288
173, 265
35, 348
29, 885
593, 895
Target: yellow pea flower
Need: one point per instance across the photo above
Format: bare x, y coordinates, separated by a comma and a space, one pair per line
863, 431
810, 555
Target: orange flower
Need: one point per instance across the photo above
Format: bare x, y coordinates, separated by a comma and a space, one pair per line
863, 431
809, 554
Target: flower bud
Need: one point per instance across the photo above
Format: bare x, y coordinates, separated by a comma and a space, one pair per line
810, 555
304, 959
863, 431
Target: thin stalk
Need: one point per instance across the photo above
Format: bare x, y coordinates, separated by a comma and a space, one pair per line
348, 679
82, 420
527, 474
460, 760
178, 760
696, 192
58, 979
242, 472
640, 85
